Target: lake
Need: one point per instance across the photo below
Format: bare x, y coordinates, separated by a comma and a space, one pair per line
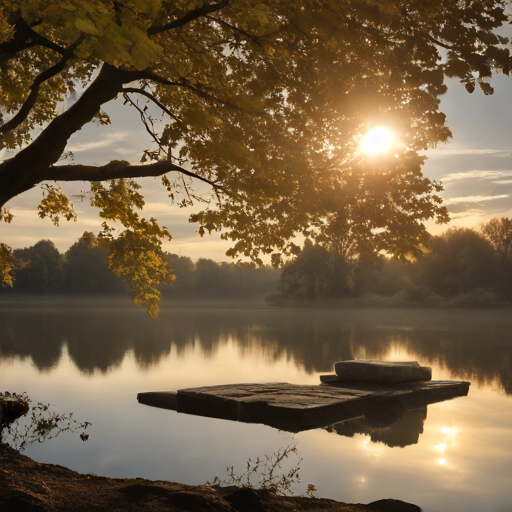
92, 357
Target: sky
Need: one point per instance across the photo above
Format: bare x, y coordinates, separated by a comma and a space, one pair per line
475, 168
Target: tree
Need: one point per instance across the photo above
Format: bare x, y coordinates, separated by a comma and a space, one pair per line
86, 267
499, 233
459, 261
265, 101
315, 274
184, 270
39, 268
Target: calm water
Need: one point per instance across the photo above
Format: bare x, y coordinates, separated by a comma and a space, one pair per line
93, 358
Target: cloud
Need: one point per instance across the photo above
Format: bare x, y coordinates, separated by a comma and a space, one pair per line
127, 151
476, 175
108, 140
503, 182
473, 199
473, 212
443, 152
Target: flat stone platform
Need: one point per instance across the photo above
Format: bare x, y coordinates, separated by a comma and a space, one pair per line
295, 408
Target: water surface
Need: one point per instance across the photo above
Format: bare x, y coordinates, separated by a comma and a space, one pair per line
93, 357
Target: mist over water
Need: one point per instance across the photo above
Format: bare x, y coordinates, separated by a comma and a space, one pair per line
467, 344
93, 358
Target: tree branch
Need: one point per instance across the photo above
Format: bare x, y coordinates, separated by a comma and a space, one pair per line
118, 169
145, 120
152, 98
190, 16
234, 28
42, 77
183, 82
25, 37
435, 41
30, 165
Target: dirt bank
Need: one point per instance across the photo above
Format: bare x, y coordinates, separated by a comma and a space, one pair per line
29, 486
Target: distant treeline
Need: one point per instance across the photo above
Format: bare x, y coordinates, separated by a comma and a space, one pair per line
462, 267
83, 269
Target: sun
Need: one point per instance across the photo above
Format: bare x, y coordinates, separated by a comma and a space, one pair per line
378, 140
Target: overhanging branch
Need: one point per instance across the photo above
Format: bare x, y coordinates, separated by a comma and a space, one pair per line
196, 89
152, 98
233, 28
25, 37
439, 43
119, 169
42, 77
190, 16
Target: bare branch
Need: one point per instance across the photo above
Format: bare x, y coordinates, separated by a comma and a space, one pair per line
153, 99
190, 16
42, 77
144, 120
439, 43
233, 28
150, 75
119, 169
195, 88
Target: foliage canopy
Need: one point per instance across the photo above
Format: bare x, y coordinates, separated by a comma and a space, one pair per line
266, 101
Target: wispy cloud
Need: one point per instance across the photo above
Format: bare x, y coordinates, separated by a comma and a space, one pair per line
127, 151
108, 140
443, 152
503, 182
473, 199
476, 175
473, 212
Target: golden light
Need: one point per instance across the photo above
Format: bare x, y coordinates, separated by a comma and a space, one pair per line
378, 140
442, 461
447, 430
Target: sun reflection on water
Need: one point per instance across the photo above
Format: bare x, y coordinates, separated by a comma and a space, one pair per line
450, 433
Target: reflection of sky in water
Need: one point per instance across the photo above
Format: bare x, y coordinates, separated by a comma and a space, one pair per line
462, 461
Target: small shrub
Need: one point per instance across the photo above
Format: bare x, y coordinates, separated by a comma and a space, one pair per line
267, 473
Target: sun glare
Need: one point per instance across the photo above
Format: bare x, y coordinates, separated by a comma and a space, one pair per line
378, 140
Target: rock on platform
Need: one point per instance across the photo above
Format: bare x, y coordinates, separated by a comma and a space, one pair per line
382, 372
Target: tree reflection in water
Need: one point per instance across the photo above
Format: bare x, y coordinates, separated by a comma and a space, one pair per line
470, 344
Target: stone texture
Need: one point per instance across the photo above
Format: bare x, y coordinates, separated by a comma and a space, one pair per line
382, 372
162, 399
295, 408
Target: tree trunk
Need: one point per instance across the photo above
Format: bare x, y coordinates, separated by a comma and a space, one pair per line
29, 167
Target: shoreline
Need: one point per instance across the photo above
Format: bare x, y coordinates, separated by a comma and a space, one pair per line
31, 486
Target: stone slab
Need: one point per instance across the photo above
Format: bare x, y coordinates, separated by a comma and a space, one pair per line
382, 372
294, 407
161, 399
